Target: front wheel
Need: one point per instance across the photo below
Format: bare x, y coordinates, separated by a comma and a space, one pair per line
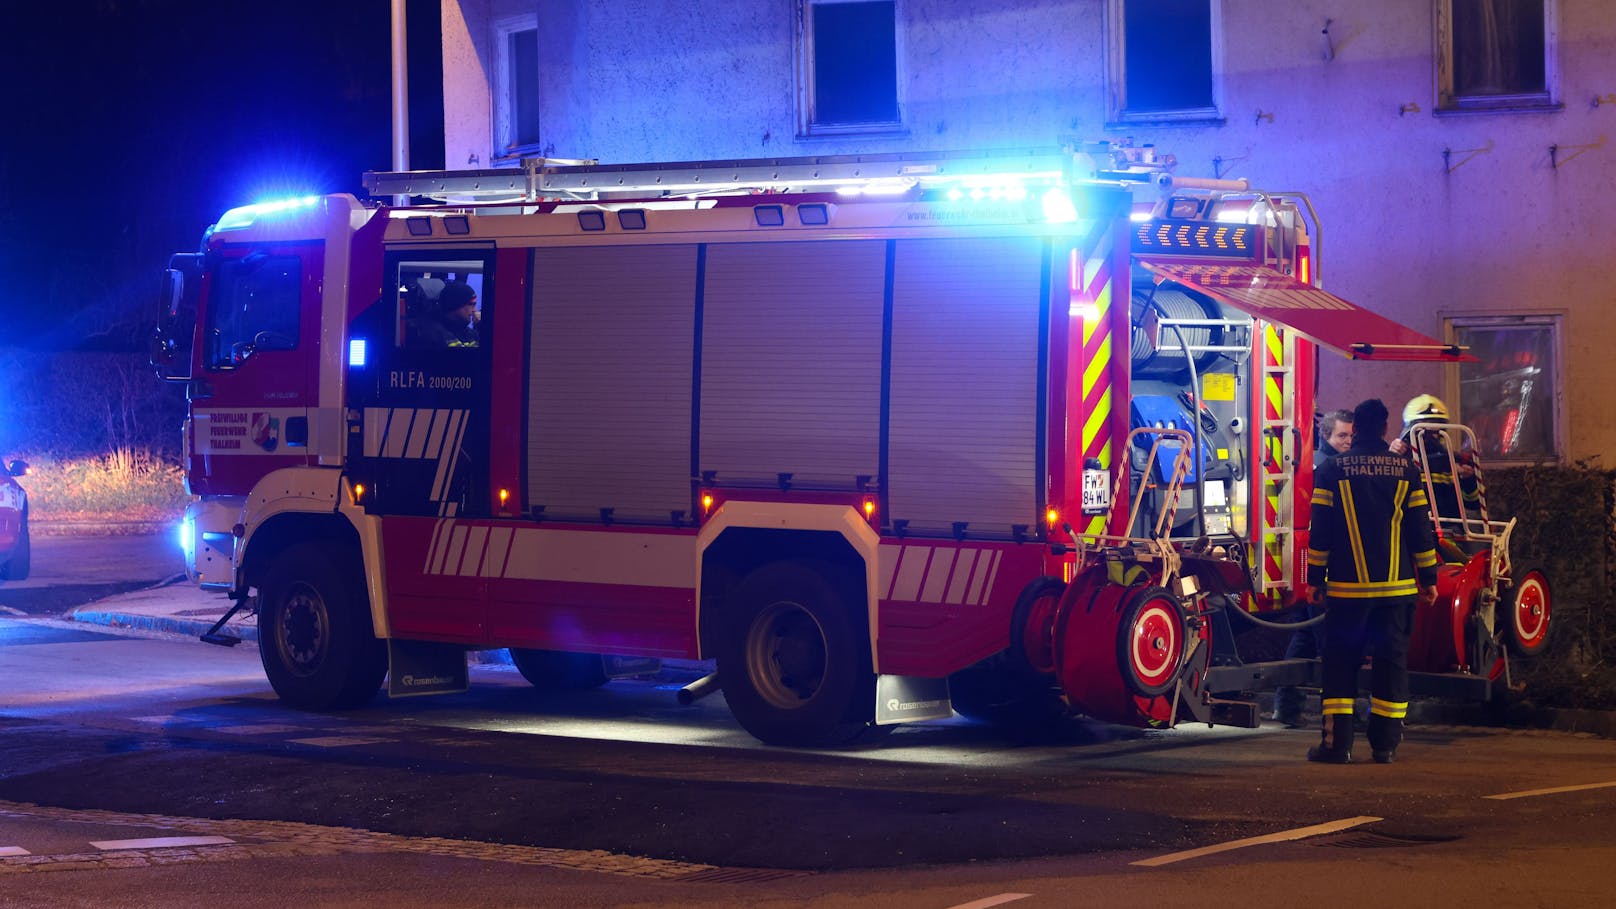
794, 667
1527, 610
314, 633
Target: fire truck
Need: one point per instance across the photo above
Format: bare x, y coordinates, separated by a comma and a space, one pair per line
883, 437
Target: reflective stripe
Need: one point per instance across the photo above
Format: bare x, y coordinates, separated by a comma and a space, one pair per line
1354, 536
1323, 497
1391, 709
1426, 559
1351, 590
1396, 547
1417, 498
1318, 558
1337, 706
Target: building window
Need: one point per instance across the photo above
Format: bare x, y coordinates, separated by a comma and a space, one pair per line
848, 67
1496, 55
1164, 61
516, 86
1511, 396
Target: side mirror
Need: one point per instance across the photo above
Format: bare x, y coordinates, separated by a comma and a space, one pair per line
168, 348
17, 468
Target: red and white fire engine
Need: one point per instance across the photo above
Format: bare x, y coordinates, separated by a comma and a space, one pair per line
882, 436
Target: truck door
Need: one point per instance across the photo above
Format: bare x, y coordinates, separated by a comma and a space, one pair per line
421, 395
257, 358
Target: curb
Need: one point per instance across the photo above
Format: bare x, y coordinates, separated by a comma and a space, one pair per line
193, 628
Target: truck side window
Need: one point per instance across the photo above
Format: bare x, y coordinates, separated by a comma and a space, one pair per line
254, 306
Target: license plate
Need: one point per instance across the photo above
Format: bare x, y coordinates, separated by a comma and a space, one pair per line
1096, 492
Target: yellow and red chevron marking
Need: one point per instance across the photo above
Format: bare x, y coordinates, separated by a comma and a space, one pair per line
1273, 409
1092, 290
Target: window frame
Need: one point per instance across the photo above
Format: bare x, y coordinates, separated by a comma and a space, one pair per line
808, 125
503, 119
1551, 321
1117, 114
1442, 58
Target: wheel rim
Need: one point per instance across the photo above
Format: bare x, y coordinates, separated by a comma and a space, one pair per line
1531, 612
786, 655
1155, 644
1038, 634
303, 633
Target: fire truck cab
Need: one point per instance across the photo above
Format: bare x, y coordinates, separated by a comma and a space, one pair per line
883, 436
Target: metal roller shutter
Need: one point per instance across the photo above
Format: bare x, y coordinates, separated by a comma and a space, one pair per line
791, 361
610, 382
964, 409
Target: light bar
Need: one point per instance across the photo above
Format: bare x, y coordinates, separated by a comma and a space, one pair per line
356, 353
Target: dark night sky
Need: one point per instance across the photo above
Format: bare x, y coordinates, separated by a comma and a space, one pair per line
133, 124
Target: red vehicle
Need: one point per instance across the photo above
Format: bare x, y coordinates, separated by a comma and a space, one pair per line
16, 553
861, 430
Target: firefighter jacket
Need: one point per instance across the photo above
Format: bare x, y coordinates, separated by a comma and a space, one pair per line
1371, 532
1441, 461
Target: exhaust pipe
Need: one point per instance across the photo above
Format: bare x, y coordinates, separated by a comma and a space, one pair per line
700, 688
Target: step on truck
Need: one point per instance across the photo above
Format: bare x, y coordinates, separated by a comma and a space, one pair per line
1018, 434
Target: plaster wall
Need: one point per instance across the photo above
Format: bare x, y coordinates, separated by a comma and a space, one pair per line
1494, 229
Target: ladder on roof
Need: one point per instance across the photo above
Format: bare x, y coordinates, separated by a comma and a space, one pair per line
539, 179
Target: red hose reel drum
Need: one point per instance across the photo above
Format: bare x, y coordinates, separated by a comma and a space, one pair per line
1120, 649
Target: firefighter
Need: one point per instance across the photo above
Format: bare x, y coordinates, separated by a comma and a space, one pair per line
451, 324
1442, 462
1335, 429
1371, 560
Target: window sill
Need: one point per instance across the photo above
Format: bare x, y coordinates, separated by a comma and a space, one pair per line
839, 130
1510, 104
1201, 116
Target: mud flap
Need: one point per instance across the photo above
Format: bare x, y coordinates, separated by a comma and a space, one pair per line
908, 699
419, 668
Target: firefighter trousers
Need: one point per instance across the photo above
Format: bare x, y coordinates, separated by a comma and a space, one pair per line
1379, 628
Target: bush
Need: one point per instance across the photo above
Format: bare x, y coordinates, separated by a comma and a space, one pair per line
123, 486
1566, 522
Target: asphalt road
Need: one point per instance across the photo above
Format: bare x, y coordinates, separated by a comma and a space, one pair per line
71, 570
620, 796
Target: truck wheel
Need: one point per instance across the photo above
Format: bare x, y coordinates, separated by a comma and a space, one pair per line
1527, 610
314, 633
22, 555
794, 667
558, 670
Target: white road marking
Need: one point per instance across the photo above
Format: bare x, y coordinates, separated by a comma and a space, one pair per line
164, 842
1528, 793
985, 902
1280, 837
14, 850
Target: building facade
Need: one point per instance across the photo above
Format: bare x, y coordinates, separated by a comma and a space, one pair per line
1458, 152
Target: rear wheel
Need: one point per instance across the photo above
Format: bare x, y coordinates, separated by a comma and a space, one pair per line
1527, 610
559, 670
314, 633
794, 667
21, 561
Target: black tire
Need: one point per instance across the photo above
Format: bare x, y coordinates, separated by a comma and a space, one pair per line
1526, 612
559, 670
1029, 608
1000, 696
794, 666
314, 632
22, 556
